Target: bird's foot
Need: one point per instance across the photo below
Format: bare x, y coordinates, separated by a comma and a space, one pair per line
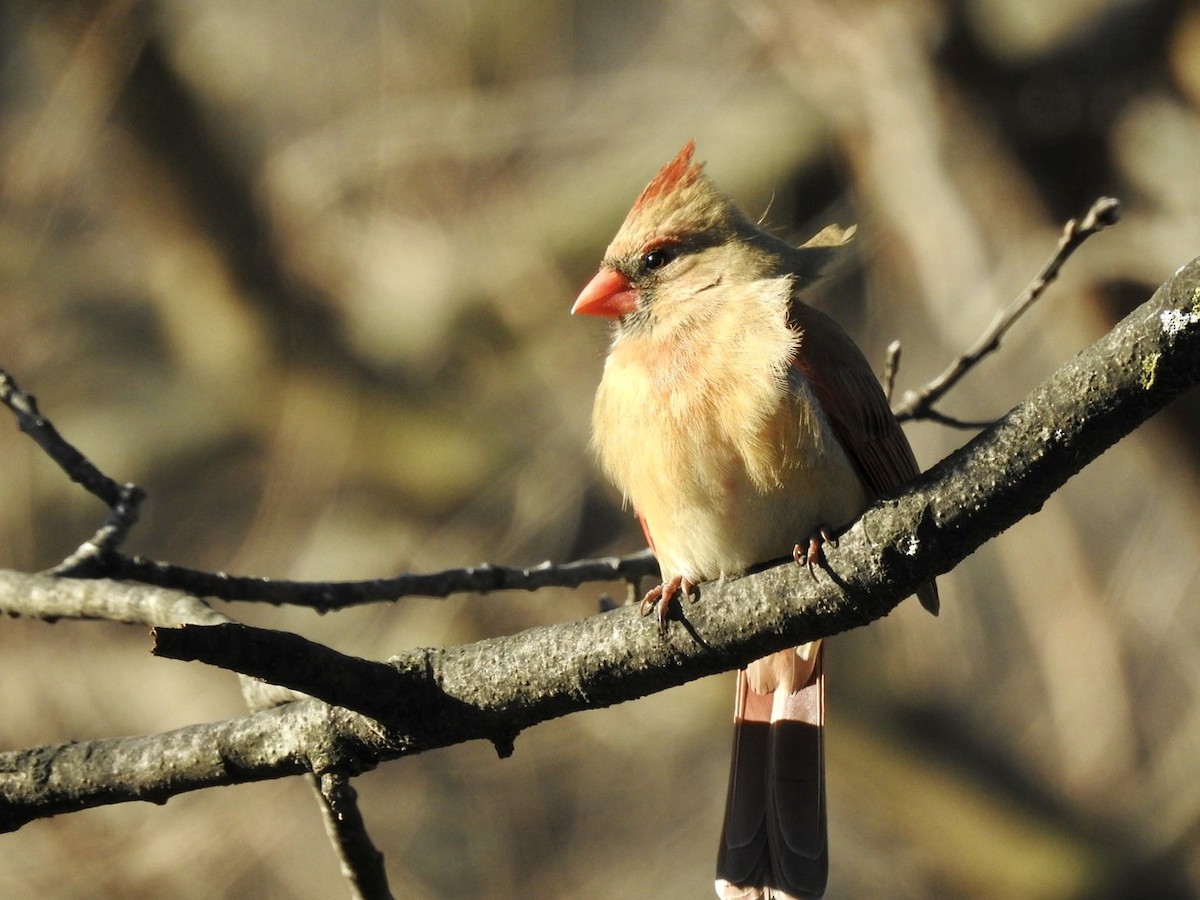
813, 554
661, 597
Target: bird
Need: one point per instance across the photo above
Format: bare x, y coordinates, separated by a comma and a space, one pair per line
739, 421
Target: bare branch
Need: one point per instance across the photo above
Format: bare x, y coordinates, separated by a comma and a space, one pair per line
273, 743
98, 557
371, 688
177, 610
50, 598
76, 466
330, 595
918, 404
124, 500
123, 515
362, 863
951, 422
495, 688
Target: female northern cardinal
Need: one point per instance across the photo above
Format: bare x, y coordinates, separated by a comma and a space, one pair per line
738, 420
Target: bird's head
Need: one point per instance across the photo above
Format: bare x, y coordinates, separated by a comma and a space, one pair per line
682, 234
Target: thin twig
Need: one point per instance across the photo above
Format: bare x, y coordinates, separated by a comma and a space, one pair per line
363, 685
918, 404
941, 418
123, 500
362, 863
77, 466
499, 686
330, 595
98, 558
91, 553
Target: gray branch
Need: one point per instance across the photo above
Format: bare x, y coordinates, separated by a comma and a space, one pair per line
362, 863
495, 688
331, 595
919, 404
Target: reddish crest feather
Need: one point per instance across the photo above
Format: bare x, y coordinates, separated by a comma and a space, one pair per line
678, 173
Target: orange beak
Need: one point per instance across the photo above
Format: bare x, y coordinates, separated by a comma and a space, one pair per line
609, 295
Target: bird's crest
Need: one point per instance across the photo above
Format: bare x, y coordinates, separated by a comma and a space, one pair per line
679, 173
680, 199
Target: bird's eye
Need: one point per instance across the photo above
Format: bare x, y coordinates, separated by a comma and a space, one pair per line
656, 259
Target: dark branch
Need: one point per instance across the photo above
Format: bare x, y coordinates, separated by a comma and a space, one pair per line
123, 515
274, 743
919, 404
98, 557
324, 596
50, 598
76, 466
124, 500
933, 415
362, 863
371, 688
495, 688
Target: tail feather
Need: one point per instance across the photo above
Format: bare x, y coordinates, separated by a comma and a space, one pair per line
773, 843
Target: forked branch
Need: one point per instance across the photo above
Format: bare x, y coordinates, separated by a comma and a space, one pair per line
919, 404
495, 688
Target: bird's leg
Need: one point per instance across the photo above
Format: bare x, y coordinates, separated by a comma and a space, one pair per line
814, 554
662, 596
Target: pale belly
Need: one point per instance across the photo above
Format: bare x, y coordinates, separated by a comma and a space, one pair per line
726, 531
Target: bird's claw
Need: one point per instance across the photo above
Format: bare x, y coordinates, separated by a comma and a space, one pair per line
660, 598
813, 554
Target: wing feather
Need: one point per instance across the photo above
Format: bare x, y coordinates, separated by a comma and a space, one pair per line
853, 399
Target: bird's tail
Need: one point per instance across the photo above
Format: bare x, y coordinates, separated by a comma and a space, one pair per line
773, 842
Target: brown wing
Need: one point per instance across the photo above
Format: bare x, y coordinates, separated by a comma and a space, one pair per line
853, 400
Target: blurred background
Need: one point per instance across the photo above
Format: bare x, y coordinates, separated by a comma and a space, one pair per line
302, 271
